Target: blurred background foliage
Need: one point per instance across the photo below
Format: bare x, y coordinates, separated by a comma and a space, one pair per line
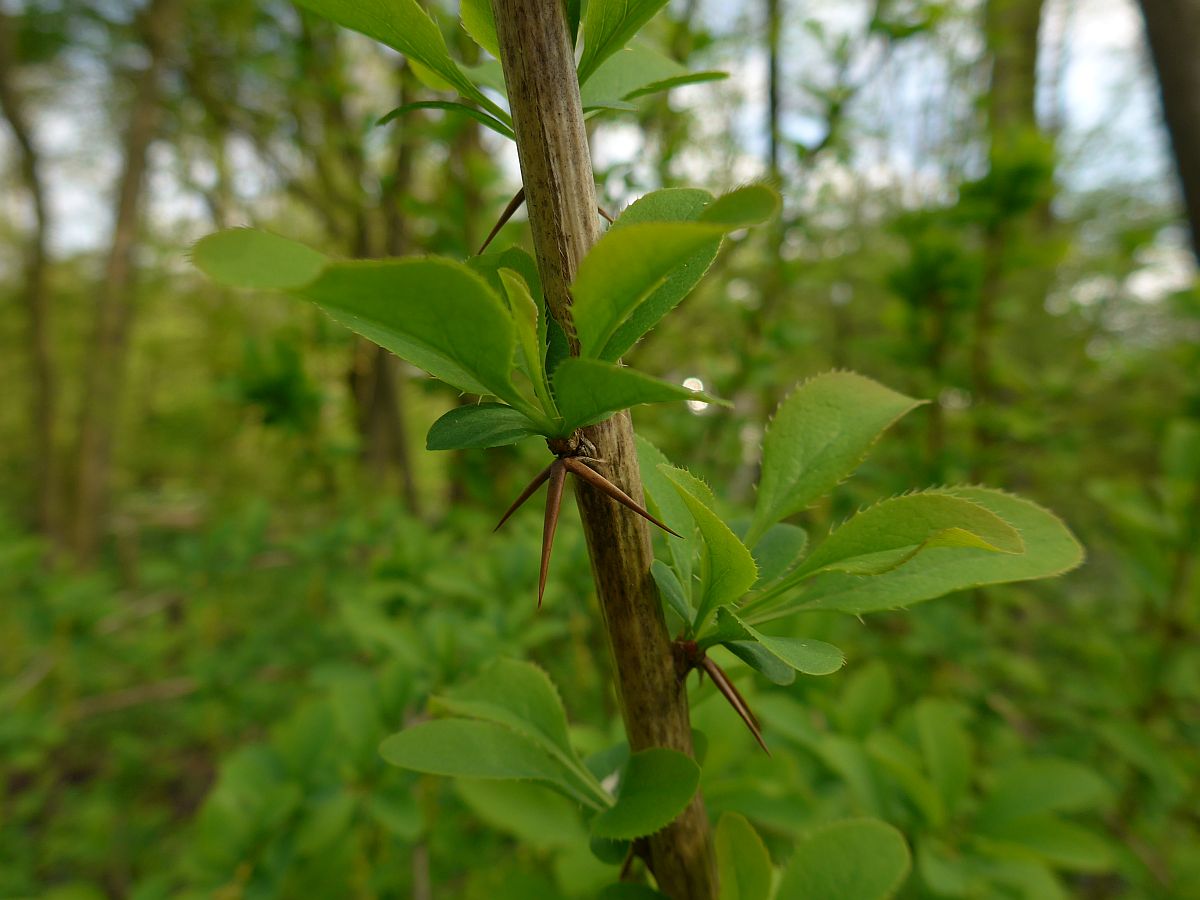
228, 567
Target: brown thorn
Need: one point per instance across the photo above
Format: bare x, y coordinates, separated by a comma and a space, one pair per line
627, 865
601, 483
525, 495
509, 211
730, 693
558, 477
607, 218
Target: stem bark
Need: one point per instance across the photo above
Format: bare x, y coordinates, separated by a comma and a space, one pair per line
556, 167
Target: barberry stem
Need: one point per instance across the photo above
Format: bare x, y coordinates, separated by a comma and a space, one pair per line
556, 168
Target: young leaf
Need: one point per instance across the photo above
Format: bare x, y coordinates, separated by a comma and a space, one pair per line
1062, 844
890, 533
727, 569
807, 656
588, 391
1037, 787
461, 748
257, 260
607, 26
664, 500
743, 864
404, 26
666, 84
530, 334
624, 268
656, 786
859, 859
1050, 549
480, 25
671, 590
636, 71
743, 207
479, 426
437, 314
778, 551
762, 660
626, 71
534, 814
669, 205
820, 434
520, 696
946, 746
516, 694
451, 106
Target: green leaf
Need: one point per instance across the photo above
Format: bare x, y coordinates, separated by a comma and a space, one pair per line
890, 533
397, 811
437, 314
533, 814
588, 391
259, 260
624, 269
671, 590
743, 864
645, 294
327, 822
807, 656
1050, 549
636, 71
625, 71
727, 568
1063, 844
820, 434
656, 786
479, 426
489, 265
946, 746
404, 26
516, 694
778, 551
762, 660
480, 25
859, 859
450, 106
608, 26
666, 84
530, 334
867, 694
897, 760
1034, 788
468, 749
520, 696
665, 501
743, 207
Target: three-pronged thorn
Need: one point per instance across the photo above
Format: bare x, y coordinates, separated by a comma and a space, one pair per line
570, 457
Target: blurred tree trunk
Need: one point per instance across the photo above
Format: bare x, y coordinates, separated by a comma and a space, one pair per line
1173, 31
377, 228
1011, 30
36, 297
105, 368
465, 150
